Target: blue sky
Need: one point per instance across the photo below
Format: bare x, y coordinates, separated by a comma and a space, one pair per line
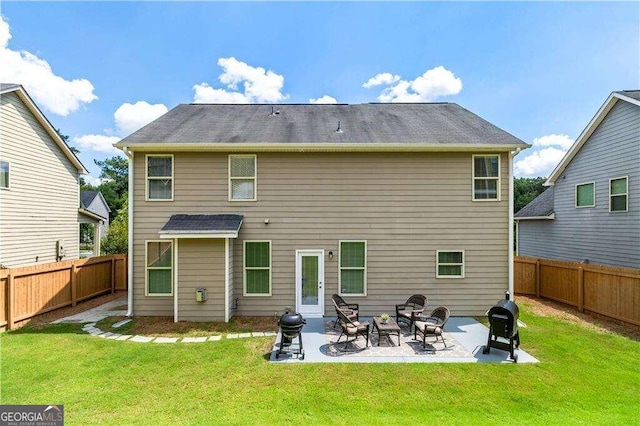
99, 70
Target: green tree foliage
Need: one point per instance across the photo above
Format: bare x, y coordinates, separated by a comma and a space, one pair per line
117, 238
116, 171
525, 190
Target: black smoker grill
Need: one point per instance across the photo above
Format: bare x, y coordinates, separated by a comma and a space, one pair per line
290, 328
503, 324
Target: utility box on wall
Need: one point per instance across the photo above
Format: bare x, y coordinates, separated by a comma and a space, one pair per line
201, 294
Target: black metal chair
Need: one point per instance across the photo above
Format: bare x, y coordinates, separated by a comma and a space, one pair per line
352, 328
410, 310
349, 309
433, 325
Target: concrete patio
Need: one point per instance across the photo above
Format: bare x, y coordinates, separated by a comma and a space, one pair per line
465, 339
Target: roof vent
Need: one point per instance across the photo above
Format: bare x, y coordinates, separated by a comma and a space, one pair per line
339, 129
274, 112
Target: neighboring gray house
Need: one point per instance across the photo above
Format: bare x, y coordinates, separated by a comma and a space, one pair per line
591, 212
271, 206
39, 185
94, 202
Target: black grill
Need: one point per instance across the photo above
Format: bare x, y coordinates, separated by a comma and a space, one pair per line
290, 328
503, 328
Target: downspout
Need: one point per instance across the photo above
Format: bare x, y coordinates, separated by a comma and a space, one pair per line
130, 155
511, 220
227, 275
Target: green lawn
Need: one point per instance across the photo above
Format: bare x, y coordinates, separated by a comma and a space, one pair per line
584, 377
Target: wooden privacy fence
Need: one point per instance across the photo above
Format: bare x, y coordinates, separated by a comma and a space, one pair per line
31, 290
605, 290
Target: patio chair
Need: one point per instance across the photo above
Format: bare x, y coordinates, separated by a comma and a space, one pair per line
350, 309
413, 308
351, 327
433, 325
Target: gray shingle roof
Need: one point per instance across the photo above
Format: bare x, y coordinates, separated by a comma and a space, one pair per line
633, 94
541, 206
202, 223
418, 123
86, 197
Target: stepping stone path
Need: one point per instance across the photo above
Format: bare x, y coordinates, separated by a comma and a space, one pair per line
94, 331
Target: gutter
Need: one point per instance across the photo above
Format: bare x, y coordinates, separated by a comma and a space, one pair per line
511, 222
129, 155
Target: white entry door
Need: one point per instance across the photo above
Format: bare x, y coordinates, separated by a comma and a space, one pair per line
310, 283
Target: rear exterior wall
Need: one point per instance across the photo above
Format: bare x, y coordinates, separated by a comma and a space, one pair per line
405, 205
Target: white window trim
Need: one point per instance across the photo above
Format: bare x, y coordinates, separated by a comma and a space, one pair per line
576, 195
244, 269
626, 194
255, 178
474, 178
146, 176
340, 268
8, 176
146, 268
438, 264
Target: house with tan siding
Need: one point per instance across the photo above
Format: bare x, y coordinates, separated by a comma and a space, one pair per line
248, 209
39, 185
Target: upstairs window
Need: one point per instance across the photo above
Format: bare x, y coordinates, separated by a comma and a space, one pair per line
353, 268
159, 177
242, 177
618, 191
586, 195
486, 178
4, 174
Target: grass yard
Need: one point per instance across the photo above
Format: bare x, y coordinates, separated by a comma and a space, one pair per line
585, 377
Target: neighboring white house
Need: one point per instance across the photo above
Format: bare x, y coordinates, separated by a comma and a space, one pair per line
39, 186
93, 202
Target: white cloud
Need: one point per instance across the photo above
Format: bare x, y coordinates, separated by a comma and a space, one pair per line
131, 117
258, 85
326, 99
50, 91
431, 85
562, 141
382, 78
94, 181
538, 163
98, 143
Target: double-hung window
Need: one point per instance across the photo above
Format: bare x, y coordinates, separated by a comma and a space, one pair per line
159, 177
486, 178
159, 255
618, 191
257, 268
353, 268
4, 174
586, 195
450, 264
242, 177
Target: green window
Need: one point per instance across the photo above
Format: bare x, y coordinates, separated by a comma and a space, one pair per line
353, 267
257, 268
450, 264
618, 194
159, 268
486, 177
160, 177
4, 174
585, 195
242, 177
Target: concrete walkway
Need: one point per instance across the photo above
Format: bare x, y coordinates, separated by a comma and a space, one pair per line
465, 340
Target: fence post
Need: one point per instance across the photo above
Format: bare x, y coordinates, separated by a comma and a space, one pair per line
10, 297
74, 285
113, 274
580, 289
538, 278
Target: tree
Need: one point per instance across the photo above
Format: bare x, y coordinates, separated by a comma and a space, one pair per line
117, 241
525, 190
116, 170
